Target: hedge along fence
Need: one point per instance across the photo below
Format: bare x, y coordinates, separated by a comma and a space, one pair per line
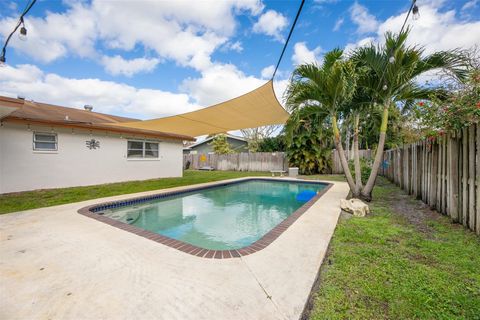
245, 161
443, 172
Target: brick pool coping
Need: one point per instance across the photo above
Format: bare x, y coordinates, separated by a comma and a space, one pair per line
185, 247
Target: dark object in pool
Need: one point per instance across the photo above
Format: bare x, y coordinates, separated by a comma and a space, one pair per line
101, 213
306, 195
129, 219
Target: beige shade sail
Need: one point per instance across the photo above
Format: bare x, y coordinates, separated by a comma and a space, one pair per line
259, 107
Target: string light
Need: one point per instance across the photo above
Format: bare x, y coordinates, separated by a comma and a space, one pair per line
391, 59
23, 31
415, 12
22, 35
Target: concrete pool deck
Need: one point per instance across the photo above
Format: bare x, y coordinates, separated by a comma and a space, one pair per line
58, 264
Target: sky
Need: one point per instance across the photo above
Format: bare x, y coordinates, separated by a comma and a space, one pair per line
148, 59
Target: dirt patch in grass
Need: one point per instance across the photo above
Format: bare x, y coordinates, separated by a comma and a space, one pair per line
417, 213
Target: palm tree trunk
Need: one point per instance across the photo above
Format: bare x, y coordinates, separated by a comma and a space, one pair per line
352, 152
356, 157
366, 193
341, 154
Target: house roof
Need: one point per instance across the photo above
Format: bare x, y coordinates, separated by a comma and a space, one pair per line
211, 138
31, 111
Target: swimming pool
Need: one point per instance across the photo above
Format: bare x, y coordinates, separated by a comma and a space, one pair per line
225, 217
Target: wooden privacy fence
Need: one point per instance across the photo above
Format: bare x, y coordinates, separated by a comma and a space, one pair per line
337, 165
255, 161
443, 172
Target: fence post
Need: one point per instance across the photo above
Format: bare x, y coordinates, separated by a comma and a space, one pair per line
433, 173
477, 182
444, 175
439, 174
419, 170
453, 178
471, 177
464, 177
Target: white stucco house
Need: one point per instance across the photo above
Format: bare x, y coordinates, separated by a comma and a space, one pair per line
45, 146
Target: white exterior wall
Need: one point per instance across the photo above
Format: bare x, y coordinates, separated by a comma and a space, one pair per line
22, 168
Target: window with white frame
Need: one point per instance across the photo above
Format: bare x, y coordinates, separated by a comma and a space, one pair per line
142, 149
45, 141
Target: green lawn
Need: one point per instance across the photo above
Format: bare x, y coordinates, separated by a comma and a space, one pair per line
51, 197
401, 262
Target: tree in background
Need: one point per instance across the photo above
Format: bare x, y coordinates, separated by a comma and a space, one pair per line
220, 144
308, 138
273, 144
255, 136
459, 109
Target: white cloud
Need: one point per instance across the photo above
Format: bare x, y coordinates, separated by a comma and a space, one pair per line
434, 30
338, 24
117, 65
105, 96
12, 6
470, 5
360, 43
365, 21
219, 83
301, 54
272, 24
280, 86
267, 72
234, 46
185, 32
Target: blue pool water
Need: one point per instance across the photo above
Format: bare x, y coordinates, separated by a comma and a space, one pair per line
221, 218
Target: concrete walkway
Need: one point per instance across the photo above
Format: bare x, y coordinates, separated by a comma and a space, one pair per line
58, 264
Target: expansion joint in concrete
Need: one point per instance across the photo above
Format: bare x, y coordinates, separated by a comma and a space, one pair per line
268, 296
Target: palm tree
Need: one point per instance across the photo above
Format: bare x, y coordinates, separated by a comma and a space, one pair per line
329, 87
390, 79
374, 79
358, 105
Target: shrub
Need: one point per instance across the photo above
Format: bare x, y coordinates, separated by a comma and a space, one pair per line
221, 145
365, 168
